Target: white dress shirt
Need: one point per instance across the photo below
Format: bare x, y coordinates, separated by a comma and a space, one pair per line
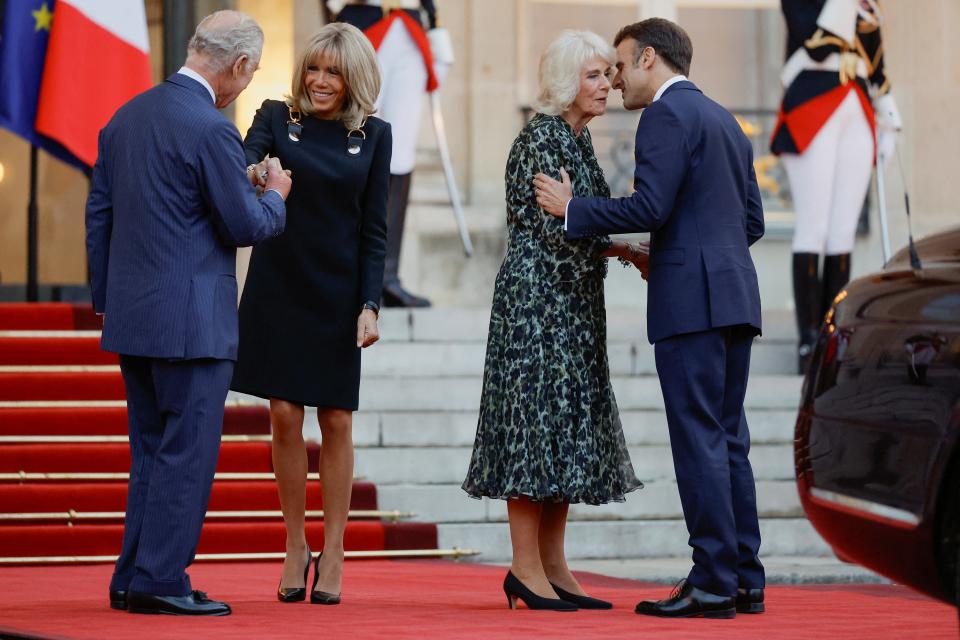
666, 85
190, 73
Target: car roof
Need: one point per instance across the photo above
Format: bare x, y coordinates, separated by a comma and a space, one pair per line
942, 247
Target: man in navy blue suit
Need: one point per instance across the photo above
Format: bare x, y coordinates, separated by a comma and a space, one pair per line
695, 191
168, 205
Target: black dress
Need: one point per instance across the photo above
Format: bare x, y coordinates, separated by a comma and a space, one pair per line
305, 288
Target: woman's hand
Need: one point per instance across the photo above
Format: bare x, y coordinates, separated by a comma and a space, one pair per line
639, 255
367, 330
636, 254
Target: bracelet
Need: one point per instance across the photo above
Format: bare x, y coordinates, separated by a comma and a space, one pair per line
634, 253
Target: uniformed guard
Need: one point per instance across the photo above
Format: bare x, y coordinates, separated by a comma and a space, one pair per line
837, 115
398, 31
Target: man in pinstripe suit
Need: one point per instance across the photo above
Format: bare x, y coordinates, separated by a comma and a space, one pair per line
168, 205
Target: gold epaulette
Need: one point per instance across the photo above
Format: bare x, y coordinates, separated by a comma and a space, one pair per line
821, 39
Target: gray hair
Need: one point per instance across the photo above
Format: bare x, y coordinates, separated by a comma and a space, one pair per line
560, 67
224, 36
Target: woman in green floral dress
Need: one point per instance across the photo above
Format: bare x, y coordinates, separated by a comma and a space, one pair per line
549, 432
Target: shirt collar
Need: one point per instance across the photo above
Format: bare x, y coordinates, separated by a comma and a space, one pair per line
666, 85
190, 73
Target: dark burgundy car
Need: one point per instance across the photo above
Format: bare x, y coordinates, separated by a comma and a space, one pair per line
878, 433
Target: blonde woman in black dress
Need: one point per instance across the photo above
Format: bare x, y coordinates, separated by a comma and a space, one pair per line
310, 302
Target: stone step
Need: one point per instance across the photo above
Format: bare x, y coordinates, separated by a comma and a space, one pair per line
630, 539
658, 500
448, 465
471, 325
458, 428
467, 358
789, 569
632, 393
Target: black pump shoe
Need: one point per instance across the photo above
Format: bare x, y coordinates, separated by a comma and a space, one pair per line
321, 597
295, 594
118, 600
514, 590
582, 602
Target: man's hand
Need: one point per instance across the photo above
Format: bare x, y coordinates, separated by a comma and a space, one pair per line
277, 178
553, 196
367, 330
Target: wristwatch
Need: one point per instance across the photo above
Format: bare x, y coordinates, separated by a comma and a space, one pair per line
373, 306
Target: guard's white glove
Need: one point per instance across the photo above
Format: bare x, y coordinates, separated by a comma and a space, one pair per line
441, 48
889, 125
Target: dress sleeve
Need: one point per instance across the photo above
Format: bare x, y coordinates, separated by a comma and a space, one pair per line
259, 140
373, 225
552, 149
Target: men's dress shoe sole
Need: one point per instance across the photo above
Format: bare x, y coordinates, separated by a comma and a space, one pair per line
721, 614
176, 606
651, 609
166, 612
118, 600
753, 607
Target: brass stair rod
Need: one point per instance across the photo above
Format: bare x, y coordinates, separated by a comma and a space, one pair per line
73, 515
31, 476
214, 557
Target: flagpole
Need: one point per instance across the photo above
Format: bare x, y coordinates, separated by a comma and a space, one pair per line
32, 227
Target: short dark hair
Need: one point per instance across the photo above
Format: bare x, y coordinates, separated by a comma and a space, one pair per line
667, 38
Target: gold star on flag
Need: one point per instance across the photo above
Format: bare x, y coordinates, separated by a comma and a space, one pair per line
43, 17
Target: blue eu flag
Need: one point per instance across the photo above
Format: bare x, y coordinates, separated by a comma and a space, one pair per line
24, 31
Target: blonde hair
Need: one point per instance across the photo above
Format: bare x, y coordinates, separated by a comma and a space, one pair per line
560, 67
351, 52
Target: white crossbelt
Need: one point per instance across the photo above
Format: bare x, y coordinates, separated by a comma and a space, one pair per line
801, 61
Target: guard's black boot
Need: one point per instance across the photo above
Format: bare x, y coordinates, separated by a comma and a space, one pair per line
836, 275
394, 295
807, 298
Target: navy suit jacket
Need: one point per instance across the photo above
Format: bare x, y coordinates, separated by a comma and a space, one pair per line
169, 203
695, 190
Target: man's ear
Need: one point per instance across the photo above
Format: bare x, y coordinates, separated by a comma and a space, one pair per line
239, 65
647, 57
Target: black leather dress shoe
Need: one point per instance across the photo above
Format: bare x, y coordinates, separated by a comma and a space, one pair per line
118, 600
396, 296
687, 601
750, 601
195, 604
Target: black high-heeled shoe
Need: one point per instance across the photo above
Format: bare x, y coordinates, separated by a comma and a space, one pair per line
295, 594
514, 589
321, 597
583, 602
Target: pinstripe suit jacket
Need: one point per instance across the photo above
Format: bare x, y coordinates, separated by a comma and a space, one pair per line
168, 205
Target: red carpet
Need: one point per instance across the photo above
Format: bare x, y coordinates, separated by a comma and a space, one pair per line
248, 535
47, 316
76, 516
49, 351
112, 421
86, 497
446, 600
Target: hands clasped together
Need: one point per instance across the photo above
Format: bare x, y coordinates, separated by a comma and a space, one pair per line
269, 175
553, 197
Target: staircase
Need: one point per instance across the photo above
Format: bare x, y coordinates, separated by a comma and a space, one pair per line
64, 460
63, 452
420, 395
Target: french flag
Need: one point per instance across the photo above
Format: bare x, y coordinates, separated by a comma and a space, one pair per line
98, 58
